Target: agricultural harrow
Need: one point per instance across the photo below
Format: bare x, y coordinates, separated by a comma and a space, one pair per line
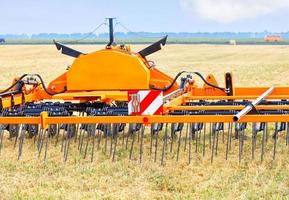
115, 98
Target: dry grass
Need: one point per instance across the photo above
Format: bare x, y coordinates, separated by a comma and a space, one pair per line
31, 178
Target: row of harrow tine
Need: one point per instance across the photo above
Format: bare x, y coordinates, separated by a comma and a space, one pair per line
90, 137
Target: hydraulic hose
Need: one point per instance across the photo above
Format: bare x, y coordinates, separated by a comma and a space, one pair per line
41, 81
182, 72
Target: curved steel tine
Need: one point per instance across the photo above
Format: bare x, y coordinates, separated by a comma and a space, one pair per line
132, 143
217, 142
204, 140
22, 135
275, 137
240, 145
196, 136
164, 144
46, 144
231, 133
228, 140
127, 135
186, 137
81, 138
156, 145
43, 132
63, 142
36, 135
105, 137
93, 144
190, 145
179, 145
115, 141
242, 141
87, 143
141, 143
254, 130
123, 136
99, 138
57, 134
213, 133
287, 134
69, 135
172, 139
267, 133
1, 136
151, 139
17, 135
263, 143
112, 138
210, 135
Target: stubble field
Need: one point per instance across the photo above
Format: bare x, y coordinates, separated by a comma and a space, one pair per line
32, 178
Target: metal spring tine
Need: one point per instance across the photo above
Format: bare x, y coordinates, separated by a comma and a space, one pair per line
99, 138
267, 132
228, 140
132, 143
68, 142
197, 136
39, 139
1, 136
263, 143
105, 139
223, 136
141, 143
21, 142
46, 144
217, 142
213, 133
80, 139
239, 139
93, 144
156, 145
16, 137
186, 137
179, 145
164, 144
35, 136
210, 135
64, 135
115, 141
275, 136
77, 127
231, 133
41, 142
204, 140
138, 136
172, 141
242, 142
253, 139
128, 135
57, 134
190, 146
86, 146
123, 133
151, 139
287, 134
112, 138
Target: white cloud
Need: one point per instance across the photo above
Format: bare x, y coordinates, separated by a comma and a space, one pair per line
227, 11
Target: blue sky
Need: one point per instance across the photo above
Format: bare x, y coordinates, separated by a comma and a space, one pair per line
69, 16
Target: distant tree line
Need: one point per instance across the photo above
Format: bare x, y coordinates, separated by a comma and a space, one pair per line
133, 35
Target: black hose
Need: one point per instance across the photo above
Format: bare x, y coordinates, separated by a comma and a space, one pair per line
15, 83
44, 87
179, 74
41, 80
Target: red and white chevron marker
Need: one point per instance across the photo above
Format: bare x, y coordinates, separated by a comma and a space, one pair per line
145, 102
